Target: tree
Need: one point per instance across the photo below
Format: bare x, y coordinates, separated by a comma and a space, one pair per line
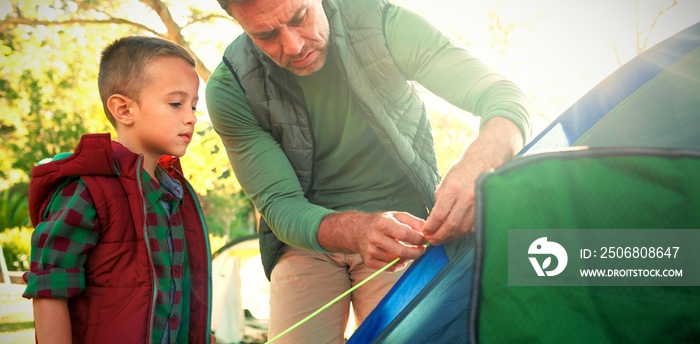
50, 52
154, 15
646, 16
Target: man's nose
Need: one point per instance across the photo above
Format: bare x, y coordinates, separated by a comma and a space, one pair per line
292, 42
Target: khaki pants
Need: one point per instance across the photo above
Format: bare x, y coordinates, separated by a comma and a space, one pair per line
304, 281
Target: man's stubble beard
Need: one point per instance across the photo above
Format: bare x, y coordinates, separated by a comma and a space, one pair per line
310, 69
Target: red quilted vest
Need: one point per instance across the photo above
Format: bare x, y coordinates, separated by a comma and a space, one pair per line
118, 302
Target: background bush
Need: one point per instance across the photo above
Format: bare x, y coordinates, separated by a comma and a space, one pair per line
14, 208
16, 243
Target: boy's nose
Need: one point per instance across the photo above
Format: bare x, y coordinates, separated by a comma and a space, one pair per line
191, 118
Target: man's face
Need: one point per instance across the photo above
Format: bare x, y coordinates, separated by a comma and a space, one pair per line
293, 33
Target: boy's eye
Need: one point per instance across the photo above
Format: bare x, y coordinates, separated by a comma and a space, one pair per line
175, 104
194, 108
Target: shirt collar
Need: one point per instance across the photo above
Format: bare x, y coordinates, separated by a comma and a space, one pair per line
161, 188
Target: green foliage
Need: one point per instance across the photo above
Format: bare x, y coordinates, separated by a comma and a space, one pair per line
50, 53
16, 244
206, 164
50, 98
453, 130
228, 214
16, 326
216, 242
14, 209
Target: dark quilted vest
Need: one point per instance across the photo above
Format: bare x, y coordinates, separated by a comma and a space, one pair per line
388, 99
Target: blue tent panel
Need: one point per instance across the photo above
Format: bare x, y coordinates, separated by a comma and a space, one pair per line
432, 278
587, 112
430, 303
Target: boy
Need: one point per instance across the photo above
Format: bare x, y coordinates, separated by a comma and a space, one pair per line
120, 252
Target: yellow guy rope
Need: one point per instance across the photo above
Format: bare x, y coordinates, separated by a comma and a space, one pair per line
333, 301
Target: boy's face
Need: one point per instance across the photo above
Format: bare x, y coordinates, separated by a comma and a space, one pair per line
164, 116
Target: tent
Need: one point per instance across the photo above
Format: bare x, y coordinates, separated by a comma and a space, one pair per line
645, 120
240, 310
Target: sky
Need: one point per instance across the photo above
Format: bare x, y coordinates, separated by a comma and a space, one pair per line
557, 50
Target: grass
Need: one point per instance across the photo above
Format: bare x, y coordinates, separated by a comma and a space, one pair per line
20, 332
16, 318
16, 326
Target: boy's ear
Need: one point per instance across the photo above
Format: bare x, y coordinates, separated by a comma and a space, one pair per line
120, 107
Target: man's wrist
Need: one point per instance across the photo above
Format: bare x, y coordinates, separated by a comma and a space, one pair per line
498, 141
338, 232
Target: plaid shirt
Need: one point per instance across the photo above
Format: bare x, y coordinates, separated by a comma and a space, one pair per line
61, 243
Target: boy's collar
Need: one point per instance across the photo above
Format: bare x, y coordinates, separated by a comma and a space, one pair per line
168, 162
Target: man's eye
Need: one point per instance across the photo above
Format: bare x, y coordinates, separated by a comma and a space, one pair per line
298, 20
266, 36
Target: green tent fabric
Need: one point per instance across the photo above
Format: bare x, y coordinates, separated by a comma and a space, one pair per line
596, 189
623, 156
635, 164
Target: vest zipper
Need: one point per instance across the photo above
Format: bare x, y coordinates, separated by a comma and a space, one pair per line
203, 221
425, 196
151, 319
307, 192
301, 102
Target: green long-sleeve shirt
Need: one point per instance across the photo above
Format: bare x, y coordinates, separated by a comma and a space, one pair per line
352, 169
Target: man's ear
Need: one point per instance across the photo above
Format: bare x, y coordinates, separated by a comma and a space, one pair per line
120, 107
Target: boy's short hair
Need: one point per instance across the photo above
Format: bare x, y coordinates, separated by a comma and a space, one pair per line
123, 61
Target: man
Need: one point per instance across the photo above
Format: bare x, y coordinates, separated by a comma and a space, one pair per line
328, 136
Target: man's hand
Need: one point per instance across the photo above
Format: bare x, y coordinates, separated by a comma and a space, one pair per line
379, 238
452, 215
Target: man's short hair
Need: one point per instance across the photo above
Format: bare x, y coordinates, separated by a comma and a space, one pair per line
122, 66
225, 4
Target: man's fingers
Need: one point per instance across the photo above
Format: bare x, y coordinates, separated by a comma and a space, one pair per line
410, 238
437, 217
402, 249
406, 228
459, 223
388, 249
393, 235
416, 223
